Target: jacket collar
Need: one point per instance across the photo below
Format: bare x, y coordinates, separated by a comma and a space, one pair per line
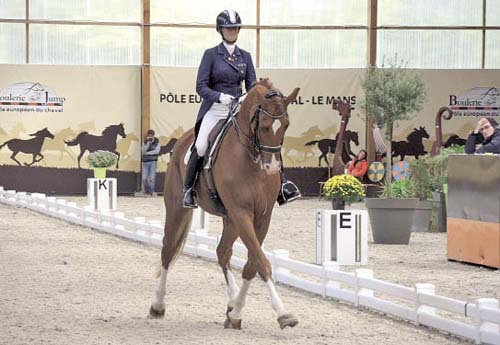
223, 51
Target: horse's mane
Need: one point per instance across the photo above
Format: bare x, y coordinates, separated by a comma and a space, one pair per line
264, 82
109, 129
415, 136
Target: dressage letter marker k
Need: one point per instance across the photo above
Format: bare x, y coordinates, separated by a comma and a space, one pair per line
102, 183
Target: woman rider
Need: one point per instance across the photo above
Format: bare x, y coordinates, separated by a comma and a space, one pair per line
222, 70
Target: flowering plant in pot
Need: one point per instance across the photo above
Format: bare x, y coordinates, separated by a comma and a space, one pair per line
101, 160
343, 189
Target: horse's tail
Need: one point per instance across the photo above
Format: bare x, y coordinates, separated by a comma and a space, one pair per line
5, 143
76, 141
314, 142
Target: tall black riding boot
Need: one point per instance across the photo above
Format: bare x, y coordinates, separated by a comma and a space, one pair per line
288, 191
194, 165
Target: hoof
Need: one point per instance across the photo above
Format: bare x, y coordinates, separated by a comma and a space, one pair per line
232, 323
287, 320
156, 314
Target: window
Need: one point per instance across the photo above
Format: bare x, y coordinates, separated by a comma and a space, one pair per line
85, 44
492, 49
200, 12
185, 46
430, 12
314, 12
431, 48
96, 10
13, 43
13, 9
313, 48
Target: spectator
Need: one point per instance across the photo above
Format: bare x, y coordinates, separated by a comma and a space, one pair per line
150, 151
358, 166
485, 138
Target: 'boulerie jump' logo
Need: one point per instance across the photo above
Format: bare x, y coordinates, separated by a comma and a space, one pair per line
477, 101
30, 97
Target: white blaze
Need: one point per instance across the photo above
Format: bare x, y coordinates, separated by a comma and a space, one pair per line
276, 126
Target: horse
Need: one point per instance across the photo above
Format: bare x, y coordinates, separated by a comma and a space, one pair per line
327, 146
246, 174
33, 146
106, 141
454, 140
413, 146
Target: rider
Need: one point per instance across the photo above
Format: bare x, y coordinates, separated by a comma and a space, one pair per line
222, 70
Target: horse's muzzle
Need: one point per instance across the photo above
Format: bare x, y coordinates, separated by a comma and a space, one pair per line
272, 167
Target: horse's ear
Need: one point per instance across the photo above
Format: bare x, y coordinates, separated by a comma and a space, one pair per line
291, 97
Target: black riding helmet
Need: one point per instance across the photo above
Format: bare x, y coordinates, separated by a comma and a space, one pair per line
228, 19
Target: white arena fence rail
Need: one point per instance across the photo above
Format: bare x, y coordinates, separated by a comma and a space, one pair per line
422, 306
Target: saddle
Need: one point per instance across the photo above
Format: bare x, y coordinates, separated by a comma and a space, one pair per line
215, 139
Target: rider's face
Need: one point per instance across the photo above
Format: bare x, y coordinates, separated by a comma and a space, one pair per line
230, 34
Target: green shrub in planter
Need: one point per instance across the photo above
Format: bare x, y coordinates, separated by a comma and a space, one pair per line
102, 159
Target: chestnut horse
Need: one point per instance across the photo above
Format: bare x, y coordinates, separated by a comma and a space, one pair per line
246, 175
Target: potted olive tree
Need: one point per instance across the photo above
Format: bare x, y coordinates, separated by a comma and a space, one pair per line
391, 94
101, 160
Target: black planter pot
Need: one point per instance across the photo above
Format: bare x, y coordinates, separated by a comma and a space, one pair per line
338, 204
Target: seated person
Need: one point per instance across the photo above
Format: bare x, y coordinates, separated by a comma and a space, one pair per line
358, 166
486, 135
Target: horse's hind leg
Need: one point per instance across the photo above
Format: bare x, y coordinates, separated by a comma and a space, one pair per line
13, 157
224, 253
177, 224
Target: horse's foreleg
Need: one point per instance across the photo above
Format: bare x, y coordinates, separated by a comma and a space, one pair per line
80, 156
252, 238
33, 162
118, 159
157, 309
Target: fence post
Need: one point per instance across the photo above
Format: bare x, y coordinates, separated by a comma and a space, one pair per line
481, 325
278, 253
329, 266
429, 289
362, 273
199, 244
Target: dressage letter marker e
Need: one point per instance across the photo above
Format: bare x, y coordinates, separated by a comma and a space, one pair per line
341, 236
101, 193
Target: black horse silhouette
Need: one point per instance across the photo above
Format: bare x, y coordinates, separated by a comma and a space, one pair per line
106, 141
328, 146
454, 140
168, 148
413, 146
33, 146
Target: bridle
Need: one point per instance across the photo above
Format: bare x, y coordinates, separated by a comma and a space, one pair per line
255, 120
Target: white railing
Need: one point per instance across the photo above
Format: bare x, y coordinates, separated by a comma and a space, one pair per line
421, 304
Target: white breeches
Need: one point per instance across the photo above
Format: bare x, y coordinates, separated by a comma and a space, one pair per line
217, 112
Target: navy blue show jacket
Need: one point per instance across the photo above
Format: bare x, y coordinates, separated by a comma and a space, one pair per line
220, 72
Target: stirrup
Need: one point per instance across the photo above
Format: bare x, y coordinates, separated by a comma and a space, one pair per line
288, 193
189, 199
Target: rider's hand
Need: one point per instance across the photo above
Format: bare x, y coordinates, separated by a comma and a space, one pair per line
225, 99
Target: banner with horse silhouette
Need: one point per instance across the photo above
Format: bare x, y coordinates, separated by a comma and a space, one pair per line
51, 117
310, 139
